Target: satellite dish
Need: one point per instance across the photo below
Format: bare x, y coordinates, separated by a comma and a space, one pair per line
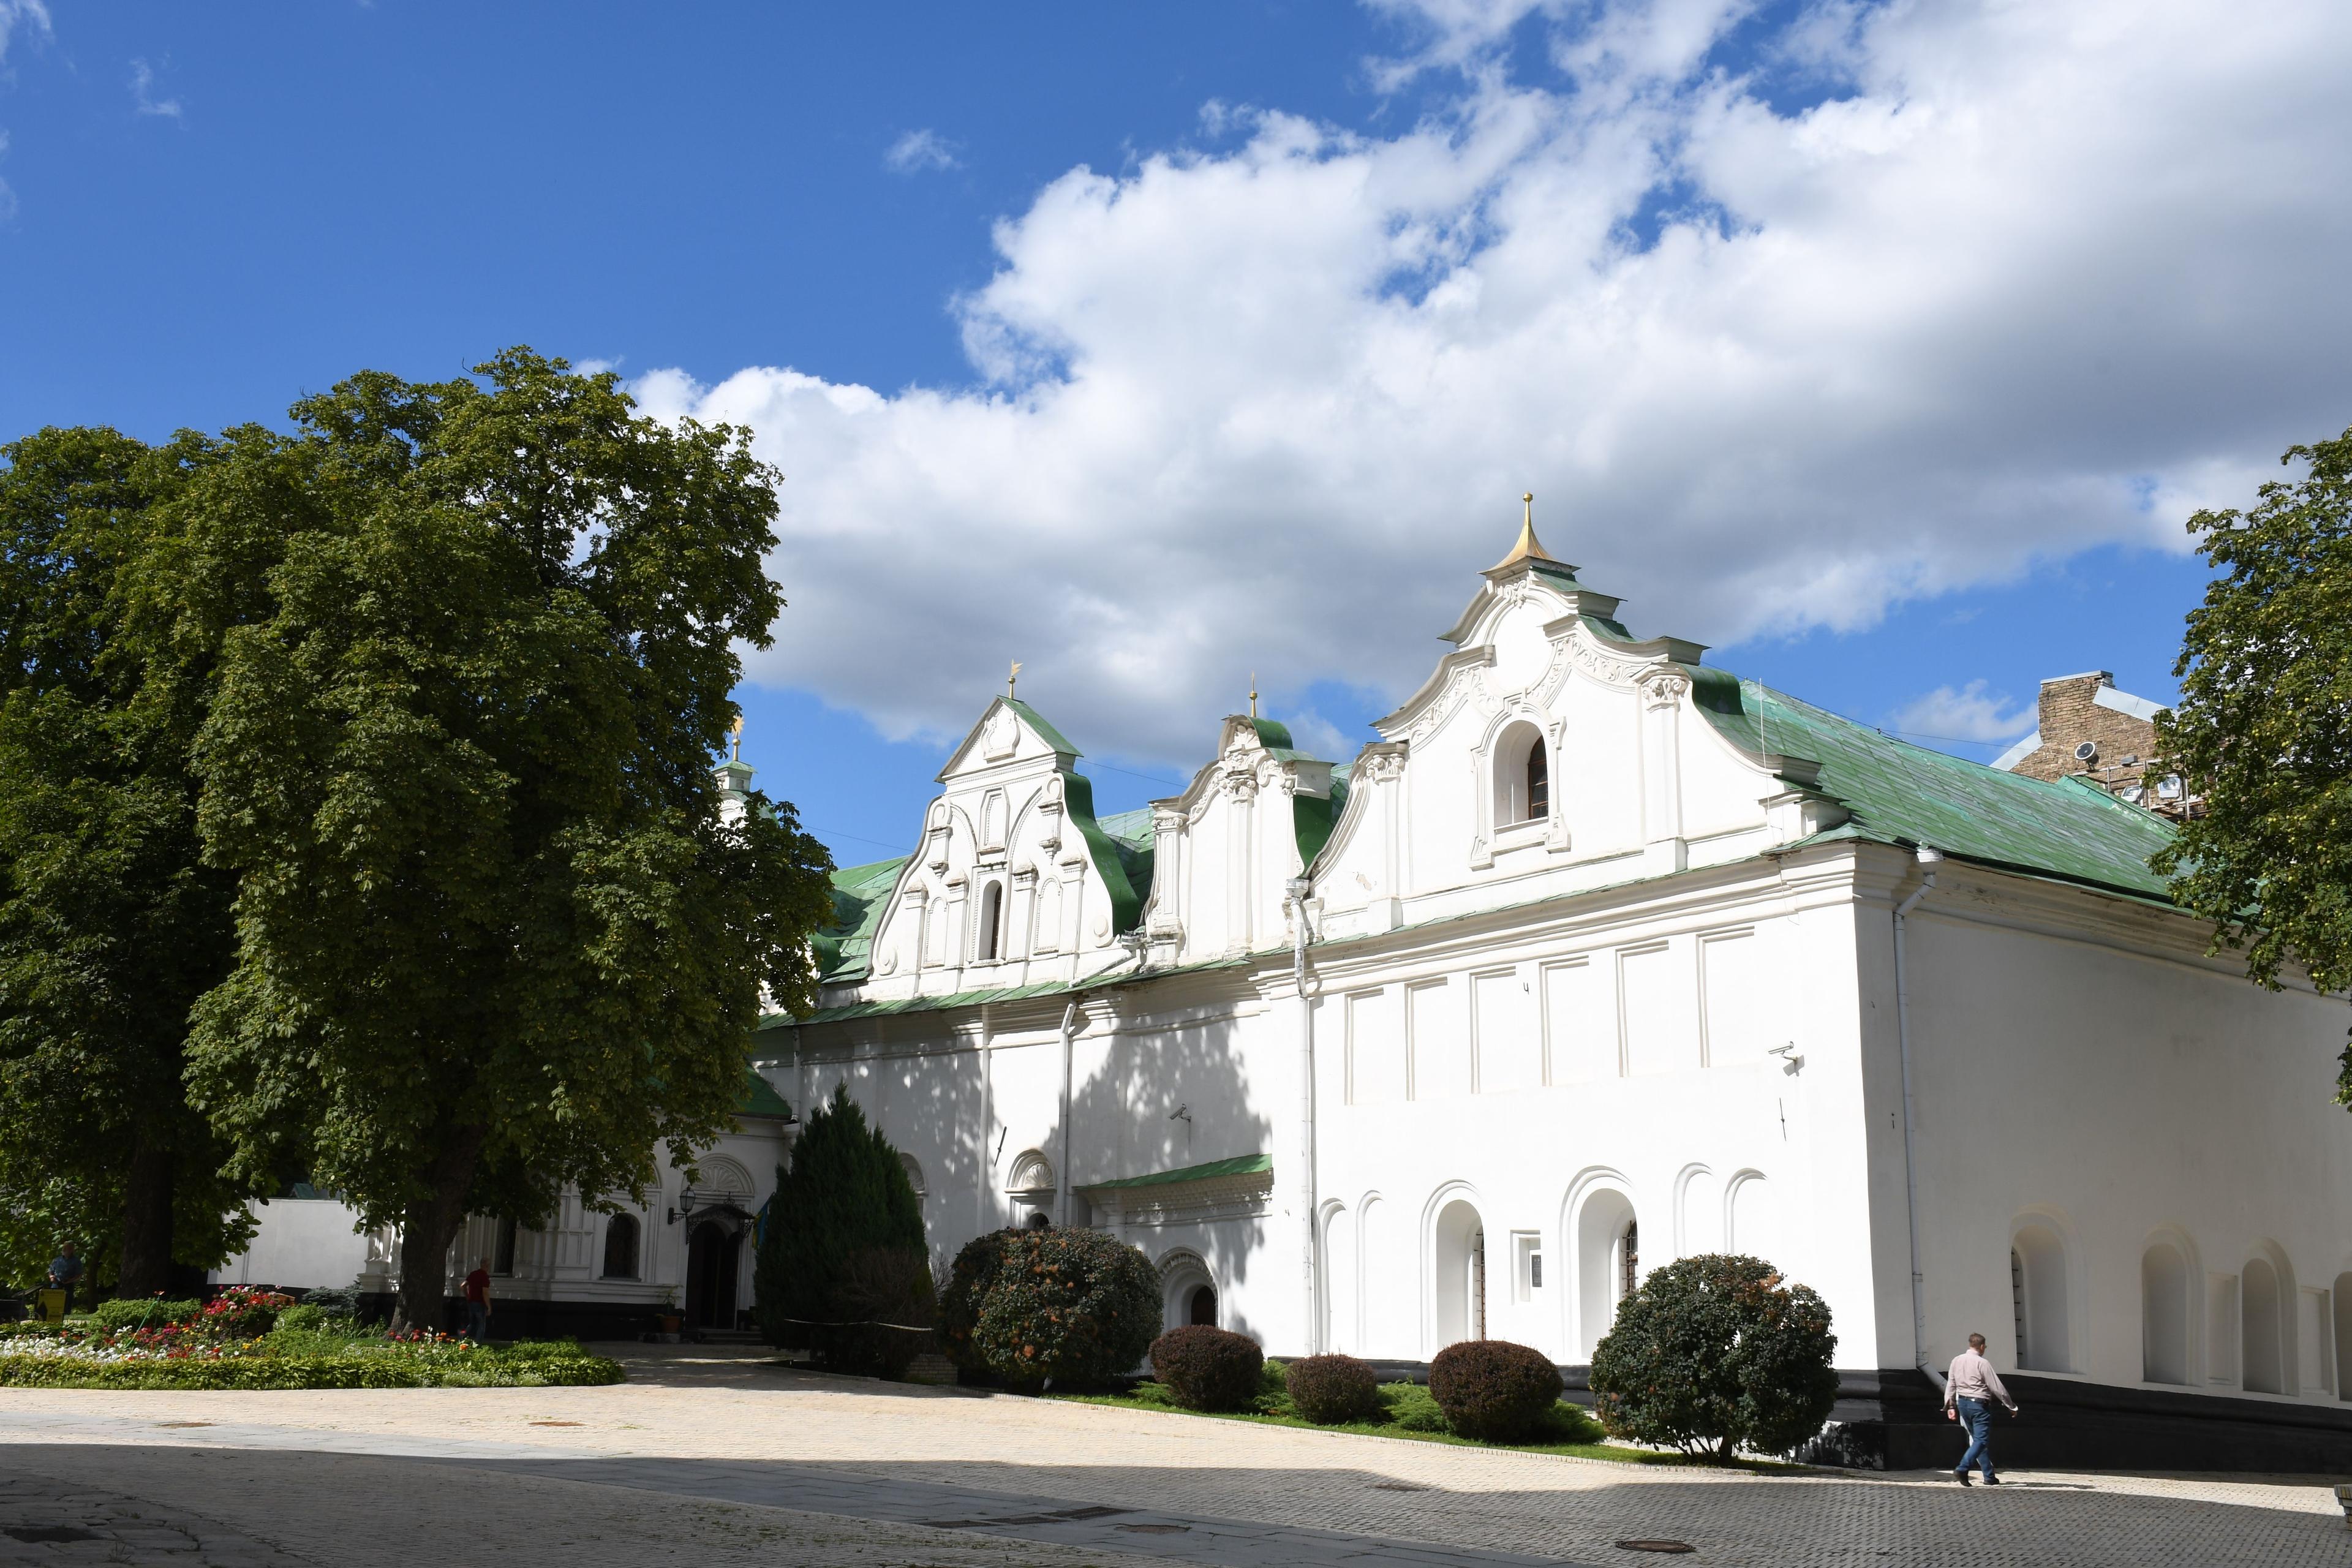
2086, 750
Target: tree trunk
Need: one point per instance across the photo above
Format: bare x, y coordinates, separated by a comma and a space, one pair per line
431, 1224
146, 1219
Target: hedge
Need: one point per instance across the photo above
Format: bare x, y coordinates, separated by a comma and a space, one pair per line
1329, 1390
1493, 1390
497, 1370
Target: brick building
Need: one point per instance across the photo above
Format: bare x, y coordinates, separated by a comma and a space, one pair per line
2089, 730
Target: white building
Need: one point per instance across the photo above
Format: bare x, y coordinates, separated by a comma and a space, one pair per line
1597, 958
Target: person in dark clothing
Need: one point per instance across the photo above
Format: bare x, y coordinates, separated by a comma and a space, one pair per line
477, 1303
65, 1272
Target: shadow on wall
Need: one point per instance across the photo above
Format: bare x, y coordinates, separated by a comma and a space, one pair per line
1164, 1100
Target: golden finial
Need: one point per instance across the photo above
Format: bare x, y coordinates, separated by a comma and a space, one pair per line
1527, 548
736, 729
1253, 693
1011, 677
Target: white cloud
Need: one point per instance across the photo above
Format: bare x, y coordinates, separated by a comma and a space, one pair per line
2047, 277
917, 150
30, 14
142, 79
1967, 714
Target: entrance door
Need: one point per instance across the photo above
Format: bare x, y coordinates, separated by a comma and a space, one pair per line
710, 1260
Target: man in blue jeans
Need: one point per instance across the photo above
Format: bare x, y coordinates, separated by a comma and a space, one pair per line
1969, 1394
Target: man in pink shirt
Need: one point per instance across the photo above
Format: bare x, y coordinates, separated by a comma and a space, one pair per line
1969, 1394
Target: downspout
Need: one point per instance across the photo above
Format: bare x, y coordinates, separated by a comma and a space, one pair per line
1929, 858
1132, 941
1298, 887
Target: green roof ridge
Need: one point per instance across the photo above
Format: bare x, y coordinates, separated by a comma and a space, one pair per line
1044, 726
1239, 1165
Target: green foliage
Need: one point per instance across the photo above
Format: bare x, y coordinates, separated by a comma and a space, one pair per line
1410, 1408
463, 653
153, 1312
1493, 1390
845, 1252
299, 1318
1206, 1368
1075, 1306
111, 927
1714, 1354
2263, 729
1329, 1390
498, 1368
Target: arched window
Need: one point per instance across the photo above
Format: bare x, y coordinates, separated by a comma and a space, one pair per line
621, 1247
1629, 1260
1040, 1220
2038, 1296
914, 1173
991, 911
2164, 1314
1522, 776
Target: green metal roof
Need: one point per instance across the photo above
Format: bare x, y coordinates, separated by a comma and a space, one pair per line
759, 1098
1239, 1165
1902, 794
859, 894
1044, 727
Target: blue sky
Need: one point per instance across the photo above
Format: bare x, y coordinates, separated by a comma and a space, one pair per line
1057, 316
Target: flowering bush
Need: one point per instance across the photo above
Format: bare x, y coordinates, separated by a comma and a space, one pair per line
84, 1354
1075, 1306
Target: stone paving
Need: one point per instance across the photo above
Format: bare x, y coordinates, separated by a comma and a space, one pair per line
703, 1450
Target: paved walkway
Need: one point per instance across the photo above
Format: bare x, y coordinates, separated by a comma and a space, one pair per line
711, 1459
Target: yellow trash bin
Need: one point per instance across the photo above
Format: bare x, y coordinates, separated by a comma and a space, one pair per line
50, 1306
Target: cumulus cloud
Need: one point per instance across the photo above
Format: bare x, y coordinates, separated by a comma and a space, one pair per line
1967, 714
917, 150
2032, 280
143, 101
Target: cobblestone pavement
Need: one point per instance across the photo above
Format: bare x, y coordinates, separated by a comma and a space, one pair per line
704, 1426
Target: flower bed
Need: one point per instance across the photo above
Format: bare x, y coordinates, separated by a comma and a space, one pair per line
236, 1342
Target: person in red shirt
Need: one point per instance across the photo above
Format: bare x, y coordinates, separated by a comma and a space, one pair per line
477, 1303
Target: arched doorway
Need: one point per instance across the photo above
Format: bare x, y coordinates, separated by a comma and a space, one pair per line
1458, 1276
1201, 1308
712, 1254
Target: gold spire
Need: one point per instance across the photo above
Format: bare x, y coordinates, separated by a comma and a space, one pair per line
1012, 678
736, 729
1528, 548
1253, 693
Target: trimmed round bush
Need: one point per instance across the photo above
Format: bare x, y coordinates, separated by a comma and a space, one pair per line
1075, 1306
1206, 1368
1714, 1354
1331, 1389
1493, 1390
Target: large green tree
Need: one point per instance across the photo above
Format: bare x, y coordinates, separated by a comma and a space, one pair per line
468, 650
2262, 732
109, 926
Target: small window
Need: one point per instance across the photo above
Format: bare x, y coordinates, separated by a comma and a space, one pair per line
1629, 1260
503, 1258
1522, 776
621, 1247
992, 910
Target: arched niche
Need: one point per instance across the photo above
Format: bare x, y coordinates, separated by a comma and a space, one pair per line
1607, 1262
2167, 1305
2041, 1293
1458, 1274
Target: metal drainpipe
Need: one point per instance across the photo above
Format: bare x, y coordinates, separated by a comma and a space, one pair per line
1298, 887
1929, 858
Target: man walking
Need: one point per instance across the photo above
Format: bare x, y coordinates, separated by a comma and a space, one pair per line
477, 1303
1969, 1394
